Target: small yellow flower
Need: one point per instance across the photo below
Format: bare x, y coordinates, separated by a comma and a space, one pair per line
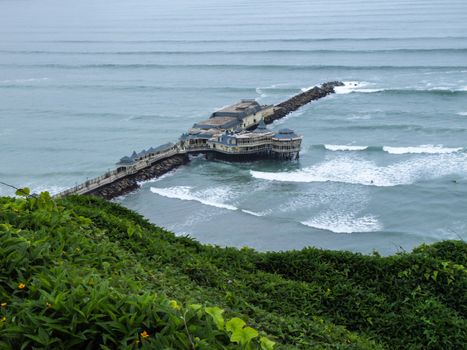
21, 286
174, 305
3, 319
144, 334
49, 305
3, 304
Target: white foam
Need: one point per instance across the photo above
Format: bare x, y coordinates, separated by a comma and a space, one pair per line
345, 148
348, 87
252, 212
464, 114
366, 87
355, 86
212, 196
428, 149
353, 170
157, 179
344, 223
438, 88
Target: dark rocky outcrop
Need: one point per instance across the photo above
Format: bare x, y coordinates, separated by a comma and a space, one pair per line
297, 101
130, 183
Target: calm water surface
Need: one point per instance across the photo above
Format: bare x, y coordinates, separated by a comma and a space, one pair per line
384, 161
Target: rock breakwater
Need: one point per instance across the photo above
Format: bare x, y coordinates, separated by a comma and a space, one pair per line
297, 101
130, 182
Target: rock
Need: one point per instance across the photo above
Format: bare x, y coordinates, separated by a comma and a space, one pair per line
297, 101
130, 182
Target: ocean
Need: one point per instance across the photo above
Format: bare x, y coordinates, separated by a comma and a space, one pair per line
383, 165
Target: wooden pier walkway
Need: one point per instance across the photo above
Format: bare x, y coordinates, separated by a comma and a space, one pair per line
122, 180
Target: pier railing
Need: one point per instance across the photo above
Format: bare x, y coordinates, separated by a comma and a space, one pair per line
117, 174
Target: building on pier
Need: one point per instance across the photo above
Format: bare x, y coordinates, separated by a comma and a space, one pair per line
245, 114
228, 133
260, 143
242, 144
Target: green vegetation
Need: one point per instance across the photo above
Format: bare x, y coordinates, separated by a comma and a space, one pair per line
83, 273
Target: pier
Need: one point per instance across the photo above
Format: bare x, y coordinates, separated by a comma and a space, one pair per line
236, 133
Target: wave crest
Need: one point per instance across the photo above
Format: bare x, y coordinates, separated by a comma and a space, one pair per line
214, 197
422, 149
367, 87
345, 148
427, 149
353, 170
344, 223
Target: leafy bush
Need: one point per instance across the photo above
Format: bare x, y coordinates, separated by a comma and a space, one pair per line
81, 272
65, 285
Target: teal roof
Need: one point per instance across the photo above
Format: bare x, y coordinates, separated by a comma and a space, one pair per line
261, 127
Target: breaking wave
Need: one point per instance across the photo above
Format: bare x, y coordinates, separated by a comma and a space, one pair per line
157, 179
344, 223
366, 87
427, 149
353, 170
214, 197
422, 149
345, 148
252, 212
354, 86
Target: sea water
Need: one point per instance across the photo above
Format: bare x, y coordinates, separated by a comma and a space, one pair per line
384, 160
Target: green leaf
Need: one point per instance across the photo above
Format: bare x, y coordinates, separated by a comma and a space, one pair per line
23, 192
266, 344
195, 307
235, 324
130, 231
244, 336
216, 314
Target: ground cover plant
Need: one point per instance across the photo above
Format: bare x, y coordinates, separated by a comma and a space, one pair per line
80, 272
